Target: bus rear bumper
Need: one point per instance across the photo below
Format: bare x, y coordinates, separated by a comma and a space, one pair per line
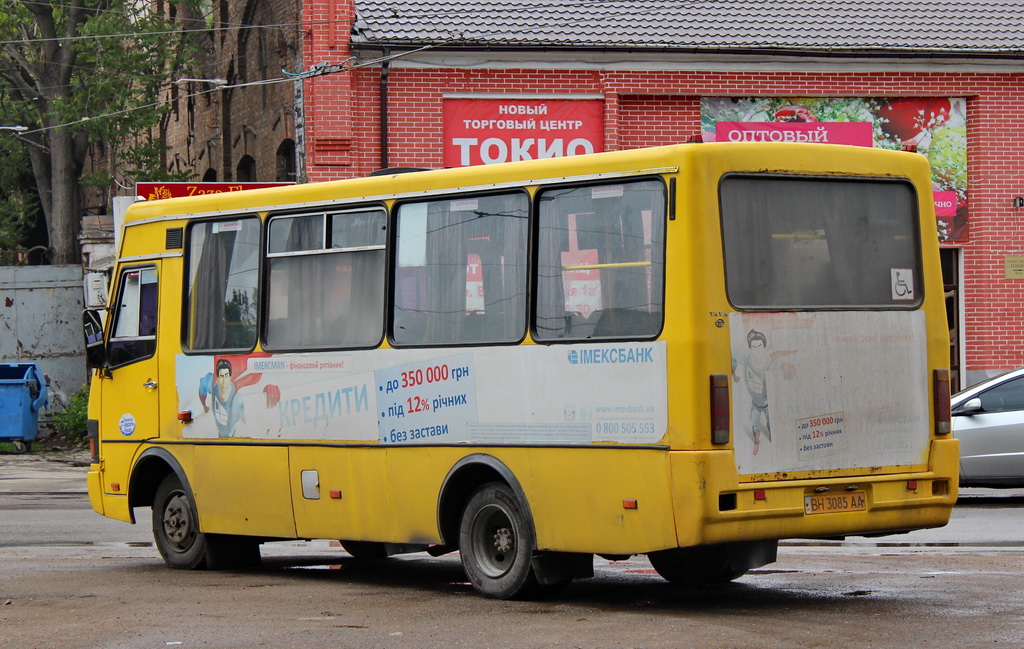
810, 507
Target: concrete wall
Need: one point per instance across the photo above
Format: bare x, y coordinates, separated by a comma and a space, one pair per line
41, 323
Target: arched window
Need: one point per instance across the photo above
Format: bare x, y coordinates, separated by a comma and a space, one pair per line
246, 170
286, 161
210, 176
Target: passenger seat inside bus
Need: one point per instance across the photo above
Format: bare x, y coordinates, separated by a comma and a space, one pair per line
624, 323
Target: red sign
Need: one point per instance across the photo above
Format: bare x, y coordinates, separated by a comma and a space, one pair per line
855, 133
488, 131
157, 191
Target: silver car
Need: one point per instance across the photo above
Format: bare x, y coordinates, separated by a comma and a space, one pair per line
988, 419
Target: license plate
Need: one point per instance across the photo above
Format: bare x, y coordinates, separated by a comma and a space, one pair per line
829, 503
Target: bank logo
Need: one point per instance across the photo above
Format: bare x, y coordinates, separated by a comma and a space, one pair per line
610, 355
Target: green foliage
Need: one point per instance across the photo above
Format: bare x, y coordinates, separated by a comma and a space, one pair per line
19, 201
71, 422
19, 204
90, 81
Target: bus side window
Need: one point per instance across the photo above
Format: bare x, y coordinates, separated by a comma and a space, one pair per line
223, 300
133, 337
325, 286
461, 270
600, 268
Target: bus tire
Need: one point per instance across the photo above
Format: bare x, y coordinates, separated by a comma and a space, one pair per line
176, 526
364, 549
496, 543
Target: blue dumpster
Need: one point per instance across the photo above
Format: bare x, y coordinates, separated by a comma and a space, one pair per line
22, 394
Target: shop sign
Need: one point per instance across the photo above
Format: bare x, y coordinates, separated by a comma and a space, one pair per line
1014, 266
852, 133
489, 131
158, 191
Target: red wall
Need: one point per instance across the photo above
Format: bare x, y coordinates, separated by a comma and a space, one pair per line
653, 108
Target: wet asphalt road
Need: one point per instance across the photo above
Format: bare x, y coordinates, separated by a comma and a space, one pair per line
70, 578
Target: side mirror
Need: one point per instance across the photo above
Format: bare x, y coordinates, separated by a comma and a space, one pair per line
95, 350
970, 407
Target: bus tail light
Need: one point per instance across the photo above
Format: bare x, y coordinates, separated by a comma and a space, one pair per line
719, 409
943, 418
92, 428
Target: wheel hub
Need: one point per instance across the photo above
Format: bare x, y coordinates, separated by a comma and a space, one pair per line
177, 521
503, 540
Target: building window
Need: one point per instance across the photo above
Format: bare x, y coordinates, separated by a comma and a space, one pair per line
286, 162
246, 169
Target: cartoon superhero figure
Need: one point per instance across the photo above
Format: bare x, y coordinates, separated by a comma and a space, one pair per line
223, 389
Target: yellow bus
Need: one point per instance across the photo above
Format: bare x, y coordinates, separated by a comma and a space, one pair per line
689, 352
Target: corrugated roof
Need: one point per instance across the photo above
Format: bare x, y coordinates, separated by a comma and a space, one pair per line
843, 26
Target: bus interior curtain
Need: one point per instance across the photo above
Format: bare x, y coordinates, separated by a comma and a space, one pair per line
843, 217
209, 291
446, 272
308, 305
749, 224
556, 238
501, 244
362, 313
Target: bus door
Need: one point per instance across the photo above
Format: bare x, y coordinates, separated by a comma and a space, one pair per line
130, 405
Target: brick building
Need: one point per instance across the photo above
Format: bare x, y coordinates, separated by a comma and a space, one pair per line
225, 124
406, 83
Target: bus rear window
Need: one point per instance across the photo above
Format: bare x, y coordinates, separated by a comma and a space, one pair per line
796, 243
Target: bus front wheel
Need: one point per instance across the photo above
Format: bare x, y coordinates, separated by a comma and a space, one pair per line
496, 543
176, 526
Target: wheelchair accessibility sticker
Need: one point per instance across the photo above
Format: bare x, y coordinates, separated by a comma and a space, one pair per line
902, 282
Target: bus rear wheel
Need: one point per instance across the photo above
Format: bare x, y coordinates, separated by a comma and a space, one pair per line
176, 526
496, 543
712, 564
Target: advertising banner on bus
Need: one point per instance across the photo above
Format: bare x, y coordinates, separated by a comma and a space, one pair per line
612, 392
828, 390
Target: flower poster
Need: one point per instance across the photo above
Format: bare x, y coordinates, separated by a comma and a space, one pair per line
936, 126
